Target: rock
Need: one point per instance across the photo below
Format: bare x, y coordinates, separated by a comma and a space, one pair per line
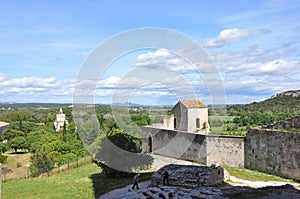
189, 176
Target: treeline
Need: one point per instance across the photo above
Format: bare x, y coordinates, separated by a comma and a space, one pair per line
281, 104
48, 147
33, 131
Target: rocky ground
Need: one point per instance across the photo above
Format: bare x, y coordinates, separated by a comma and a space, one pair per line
233, 188
225, 191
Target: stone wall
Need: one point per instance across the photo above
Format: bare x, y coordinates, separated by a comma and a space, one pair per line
189, 176
273, 152
225, 150
204, 149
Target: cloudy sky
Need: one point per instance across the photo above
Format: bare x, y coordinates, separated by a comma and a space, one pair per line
253, 44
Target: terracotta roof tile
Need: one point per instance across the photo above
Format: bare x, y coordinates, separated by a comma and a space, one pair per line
192, 103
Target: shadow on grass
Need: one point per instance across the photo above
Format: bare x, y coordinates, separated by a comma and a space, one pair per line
17, 152
103, 184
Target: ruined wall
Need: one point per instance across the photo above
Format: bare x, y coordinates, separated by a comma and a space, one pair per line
273, 152
221, 150
293, 123
225, 150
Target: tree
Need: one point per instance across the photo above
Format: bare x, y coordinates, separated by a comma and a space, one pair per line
16, 116
17, 143
3, 147
43, 161
10, 133
106, 154
25, 127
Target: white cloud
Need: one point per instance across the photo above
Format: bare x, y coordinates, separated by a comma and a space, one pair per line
34, 89
162, 58
255, 62
229, 36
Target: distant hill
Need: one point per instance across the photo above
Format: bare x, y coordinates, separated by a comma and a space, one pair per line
285, 102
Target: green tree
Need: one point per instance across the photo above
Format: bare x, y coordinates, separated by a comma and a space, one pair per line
42, 160
3, 147
10, 133
106, 154
16, 116
17, 143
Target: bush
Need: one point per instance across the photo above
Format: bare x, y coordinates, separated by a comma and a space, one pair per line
109, 155
19, 164
3, 158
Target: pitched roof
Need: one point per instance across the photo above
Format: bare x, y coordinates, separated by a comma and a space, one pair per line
192, 103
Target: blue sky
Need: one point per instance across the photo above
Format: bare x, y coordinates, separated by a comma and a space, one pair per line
43, 44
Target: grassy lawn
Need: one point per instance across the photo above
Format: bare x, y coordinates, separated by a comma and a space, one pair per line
252, 175
83, 182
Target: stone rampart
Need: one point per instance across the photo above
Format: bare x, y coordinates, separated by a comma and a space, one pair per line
273, 152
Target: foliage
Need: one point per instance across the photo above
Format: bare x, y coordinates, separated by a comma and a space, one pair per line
42, 161
3, 147
24, 126
141, 119
17, 143
286, 106
15, 116
49, 148
11, 133
3, 158
109, 153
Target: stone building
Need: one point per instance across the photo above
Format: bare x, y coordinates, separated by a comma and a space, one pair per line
191, 116
188, 139
272, 148
60, 120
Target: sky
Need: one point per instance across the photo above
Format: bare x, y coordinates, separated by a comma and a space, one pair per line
44, 45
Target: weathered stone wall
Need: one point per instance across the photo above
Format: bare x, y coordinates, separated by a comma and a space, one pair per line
273, 152
225, 150
205, 149
189, 176
293, 123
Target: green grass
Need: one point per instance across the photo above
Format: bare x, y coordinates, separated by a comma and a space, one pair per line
83, 182
253, 175
219, 130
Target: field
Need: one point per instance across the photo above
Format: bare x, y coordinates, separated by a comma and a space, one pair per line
83, 182
18, 163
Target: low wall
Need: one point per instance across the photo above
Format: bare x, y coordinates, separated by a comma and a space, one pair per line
204, 149
273, 152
